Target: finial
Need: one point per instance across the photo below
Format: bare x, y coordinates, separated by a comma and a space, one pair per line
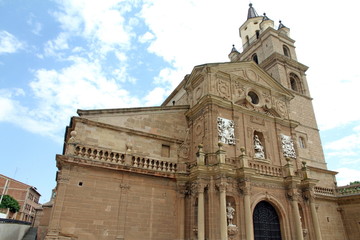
264, 14
250, 4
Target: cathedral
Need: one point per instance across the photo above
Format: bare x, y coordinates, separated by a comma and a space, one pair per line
233, 153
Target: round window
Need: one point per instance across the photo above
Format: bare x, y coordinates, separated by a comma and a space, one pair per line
254, 97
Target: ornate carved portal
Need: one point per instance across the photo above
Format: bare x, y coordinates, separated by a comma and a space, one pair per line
266, 222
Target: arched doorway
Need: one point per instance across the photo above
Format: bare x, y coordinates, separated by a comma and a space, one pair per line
266, 222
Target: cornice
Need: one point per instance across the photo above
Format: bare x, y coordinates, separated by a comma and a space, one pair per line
277, 57
131, 110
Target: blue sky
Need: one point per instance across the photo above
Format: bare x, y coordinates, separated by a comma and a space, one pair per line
60, 56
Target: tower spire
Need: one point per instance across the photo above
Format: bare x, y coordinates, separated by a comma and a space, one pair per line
251, 12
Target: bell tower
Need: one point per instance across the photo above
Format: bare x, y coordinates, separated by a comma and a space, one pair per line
273, 50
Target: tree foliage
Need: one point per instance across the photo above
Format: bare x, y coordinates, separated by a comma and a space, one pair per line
355, 182
11, 203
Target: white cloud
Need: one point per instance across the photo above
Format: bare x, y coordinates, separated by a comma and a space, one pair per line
53, 47
155, 97
9, 43
59, 93
147, 37
347, 175
100, 22
346, 144
34, 24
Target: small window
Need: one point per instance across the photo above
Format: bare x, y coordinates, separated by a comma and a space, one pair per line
255, 58
165, 150
247, 39
302, 142
254, 97
286, 51
295, 83
257, 34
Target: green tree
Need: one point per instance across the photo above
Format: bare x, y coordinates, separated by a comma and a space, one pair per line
355, 182
11, 203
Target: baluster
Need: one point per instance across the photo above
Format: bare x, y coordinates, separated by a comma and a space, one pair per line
152, 164
83, 150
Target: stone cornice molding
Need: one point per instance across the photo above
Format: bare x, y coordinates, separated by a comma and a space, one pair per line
139, 110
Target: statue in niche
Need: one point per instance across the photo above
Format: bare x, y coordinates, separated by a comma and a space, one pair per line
259, 149
230, 211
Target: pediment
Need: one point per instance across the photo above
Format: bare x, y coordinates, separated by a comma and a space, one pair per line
250, 73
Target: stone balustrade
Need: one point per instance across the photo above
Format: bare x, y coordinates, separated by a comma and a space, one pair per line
349, 189
156, 165
100, 155
108, 156
324, 191
266, 169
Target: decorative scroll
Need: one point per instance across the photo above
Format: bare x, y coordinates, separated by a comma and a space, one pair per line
226, 131
288, 146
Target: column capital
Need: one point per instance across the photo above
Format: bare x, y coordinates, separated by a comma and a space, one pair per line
293, 195
198, 187
309, 195
222, 186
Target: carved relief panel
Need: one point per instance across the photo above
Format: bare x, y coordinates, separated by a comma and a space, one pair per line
226, 131
287, 146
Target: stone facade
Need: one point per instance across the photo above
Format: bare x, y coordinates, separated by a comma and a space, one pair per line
240, 134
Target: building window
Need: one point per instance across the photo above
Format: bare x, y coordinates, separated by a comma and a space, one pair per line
255, 58
302, 142
286, 51
254, 97
295, 83
165, 150
257, 34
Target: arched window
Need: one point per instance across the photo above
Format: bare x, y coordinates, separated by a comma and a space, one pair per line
295, 83
257, 34
302, 142
266, 222
247, 39
255, 58
286, 51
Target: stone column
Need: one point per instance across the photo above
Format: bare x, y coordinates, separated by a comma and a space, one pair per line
181, 194
314, 216
63, 178
249, 229
294, 196
201, 212
223, 219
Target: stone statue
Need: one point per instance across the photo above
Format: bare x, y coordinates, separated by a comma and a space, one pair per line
230, 211
259, 149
